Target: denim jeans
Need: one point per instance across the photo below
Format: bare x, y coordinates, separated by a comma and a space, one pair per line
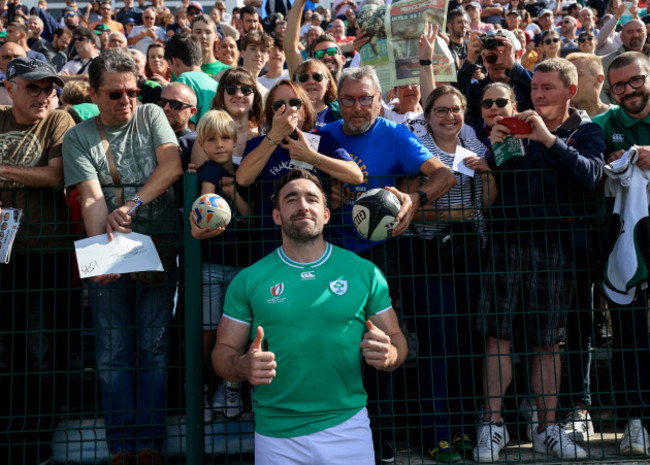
130, 319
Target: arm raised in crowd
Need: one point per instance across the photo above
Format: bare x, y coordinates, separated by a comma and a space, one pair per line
292, 36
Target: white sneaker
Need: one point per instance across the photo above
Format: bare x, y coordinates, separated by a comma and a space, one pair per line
635, 438
528, 410
233, 400
554, 441
207, 408
578, 425
491, 438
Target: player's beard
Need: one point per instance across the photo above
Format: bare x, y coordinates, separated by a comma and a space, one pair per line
639, 107
303, 233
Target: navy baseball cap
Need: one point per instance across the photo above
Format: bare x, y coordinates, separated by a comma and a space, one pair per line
32, 69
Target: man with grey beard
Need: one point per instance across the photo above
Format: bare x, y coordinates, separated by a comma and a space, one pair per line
633, 35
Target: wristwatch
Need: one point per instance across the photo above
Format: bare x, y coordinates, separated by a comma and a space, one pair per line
423, 198
134, 198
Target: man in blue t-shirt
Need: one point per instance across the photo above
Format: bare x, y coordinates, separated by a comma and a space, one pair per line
383, 150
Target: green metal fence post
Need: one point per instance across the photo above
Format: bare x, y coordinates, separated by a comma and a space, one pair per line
193, 337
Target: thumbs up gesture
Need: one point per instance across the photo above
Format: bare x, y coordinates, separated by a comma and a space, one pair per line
376, 347
261, 363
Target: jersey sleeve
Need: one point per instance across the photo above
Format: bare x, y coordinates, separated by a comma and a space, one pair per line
237, 305
378, 298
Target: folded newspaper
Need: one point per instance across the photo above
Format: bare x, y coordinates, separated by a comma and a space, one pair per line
9, 223
394, 31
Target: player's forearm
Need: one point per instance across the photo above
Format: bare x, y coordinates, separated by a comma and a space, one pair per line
398, 351
228, 363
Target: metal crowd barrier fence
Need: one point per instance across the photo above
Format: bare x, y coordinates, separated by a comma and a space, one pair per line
50, 380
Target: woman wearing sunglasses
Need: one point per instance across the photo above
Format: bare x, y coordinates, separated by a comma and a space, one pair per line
498, 99
550, 43
587, 42
238, 96
447, 277
289, 113
314, 77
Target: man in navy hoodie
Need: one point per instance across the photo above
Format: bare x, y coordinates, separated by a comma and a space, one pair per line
537, 230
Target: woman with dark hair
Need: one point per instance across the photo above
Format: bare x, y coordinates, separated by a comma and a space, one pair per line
313, 76
441, 289
587, 42
498, 99
157, 68
287, 114
238, 96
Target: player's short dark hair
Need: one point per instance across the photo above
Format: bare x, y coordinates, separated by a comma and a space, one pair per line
453, 14
185, 47
293, 175
628, 58
247, 10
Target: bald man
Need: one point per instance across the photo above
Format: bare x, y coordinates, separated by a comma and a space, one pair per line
178, 101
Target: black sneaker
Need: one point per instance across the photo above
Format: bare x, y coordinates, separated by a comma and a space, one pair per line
387, 451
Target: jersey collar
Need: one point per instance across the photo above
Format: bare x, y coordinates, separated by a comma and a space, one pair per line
295, 264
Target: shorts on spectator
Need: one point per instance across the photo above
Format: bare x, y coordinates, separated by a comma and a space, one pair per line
526, 285
215, 281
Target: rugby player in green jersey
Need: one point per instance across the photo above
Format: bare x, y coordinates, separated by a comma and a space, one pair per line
320, 310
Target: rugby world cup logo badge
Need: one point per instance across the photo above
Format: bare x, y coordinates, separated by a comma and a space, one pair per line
277, 289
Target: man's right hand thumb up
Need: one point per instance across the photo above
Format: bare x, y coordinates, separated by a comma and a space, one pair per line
262, 364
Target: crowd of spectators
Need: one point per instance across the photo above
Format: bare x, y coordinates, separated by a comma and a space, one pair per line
137, 94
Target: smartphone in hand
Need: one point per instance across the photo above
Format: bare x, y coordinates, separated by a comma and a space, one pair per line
516, 125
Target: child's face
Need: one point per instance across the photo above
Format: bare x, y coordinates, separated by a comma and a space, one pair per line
218, 148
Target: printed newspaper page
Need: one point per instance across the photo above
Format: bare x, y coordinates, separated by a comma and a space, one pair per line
394, 33
9, 223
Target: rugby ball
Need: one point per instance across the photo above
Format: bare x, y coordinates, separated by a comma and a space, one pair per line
374, 214
211, 211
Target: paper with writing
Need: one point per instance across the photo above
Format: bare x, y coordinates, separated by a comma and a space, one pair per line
459, 165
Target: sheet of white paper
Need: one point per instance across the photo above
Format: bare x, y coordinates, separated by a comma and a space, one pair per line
458, 165
127, 253
313, 140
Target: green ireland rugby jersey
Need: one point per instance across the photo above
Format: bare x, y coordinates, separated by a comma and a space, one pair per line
313, 315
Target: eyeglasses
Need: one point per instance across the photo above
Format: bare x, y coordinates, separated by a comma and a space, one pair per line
318, 77
442, 112
364, 100
490, 59
501, 102
292, 102
173, 104
69, 15
34, 91
585, 39
193, 13
104, 9
567, 21
80, 39
554, 40
635, 83
232, 89
117, 94
331, 51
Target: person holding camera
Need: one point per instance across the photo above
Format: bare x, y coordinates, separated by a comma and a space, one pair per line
498, 53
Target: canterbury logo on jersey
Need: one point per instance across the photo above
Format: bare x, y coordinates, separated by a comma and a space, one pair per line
617, 138
307, 275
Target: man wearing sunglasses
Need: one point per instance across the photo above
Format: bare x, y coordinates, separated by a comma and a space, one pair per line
633, 36
143, 36
132, 146
501, 65
625, 126
106, 11
178, 101
86, 43
568, 36
323, 48
32, 135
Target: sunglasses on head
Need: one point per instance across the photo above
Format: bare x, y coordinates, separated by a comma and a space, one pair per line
117, 94
293, 102
488, 102
332, 51
554, 40
585, 39
318, 77
232, 89
173, 104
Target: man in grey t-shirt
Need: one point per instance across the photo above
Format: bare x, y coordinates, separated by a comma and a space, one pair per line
127, 313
